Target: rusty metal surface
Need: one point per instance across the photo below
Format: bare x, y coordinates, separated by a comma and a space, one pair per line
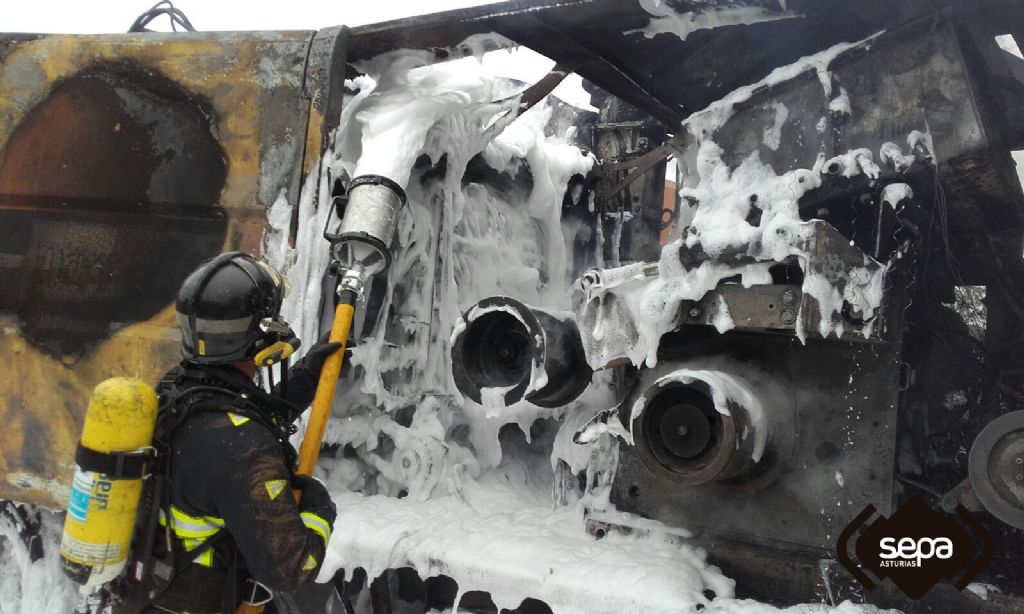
762, 308
769, 308
324, 85
125, 160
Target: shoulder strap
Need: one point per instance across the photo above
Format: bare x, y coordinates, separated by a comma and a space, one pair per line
251, 401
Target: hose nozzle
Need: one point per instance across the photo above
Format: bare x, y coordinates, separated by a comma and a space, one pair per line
368, 214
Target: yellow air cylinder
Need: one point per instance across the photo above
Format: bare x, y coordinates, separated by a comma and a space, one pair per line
102, 506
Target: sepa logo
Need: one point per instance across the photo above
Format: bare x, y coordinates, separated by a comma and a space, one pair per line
910, 553
916, 548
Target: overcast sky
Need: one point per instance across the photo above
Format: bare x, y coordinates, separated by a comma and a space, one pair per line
105, 16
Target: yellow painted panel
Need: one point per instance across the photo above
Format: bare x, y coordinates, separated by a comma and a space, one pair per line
79, 260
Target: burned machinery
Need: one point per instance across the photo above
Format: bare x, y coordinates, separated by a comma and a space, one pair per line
763, 444
772, 436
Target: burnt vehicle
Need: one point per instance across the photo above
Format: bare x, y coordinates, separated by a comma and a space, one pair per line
770, 434
844, 333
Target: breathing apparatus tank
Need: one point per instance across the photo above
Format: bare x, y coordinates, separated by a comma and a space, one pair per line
112, 460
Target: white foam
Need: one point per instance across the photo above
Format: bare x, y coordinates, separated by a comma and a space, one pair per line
410, 97
772, 136
853, 163
894, 193
530, 550
457, 244
891, 154
983, 590
722, 319
665, 20
706, 121
38, 587
840, 105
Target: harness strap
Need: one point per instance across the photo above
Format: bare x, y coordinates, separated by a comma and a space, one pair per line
132, 465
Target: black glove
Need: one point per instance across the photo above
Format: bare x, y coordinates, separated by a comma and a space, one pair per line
317, 355
315, 498
304, 375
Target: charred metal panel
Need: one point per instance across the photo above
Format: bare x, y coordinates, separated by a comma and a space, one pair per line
874, 422
913, 78
324, 85
665, 76
125, 160
78, 177
831, 448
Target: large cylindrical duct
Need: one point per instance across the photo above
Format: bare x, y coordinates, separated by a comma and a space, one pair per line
504, 351
699, 426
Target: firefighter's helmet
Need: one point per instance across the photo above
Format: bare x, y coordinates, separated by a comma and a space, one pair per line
228, 310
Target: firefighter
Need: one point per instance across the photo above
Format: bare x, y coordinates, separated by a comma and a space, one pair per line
232, 512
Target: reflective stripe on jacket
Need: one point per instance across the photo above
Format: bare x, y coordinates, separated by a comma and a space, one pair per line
230, 474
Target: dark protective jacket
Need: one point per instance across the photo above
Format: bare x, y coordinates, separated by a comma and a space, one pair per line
230, 471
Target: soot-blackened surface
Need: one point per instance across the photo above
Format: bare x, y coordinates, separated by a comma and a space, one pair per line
109, 193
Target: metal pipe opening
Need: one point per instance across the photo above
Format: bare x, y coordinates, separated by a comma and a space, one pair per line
504, 351
681, 433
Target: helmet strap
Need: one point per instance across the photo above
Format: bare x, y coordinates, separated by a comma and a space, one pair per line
267, 377
268, 374
284, 377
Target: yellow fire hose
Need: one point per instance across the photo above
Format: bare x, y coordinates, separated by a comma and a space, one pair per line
309, 451
311, 441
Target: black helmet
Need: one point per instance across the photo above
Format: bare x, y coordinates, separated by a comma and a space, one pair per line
228, 310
